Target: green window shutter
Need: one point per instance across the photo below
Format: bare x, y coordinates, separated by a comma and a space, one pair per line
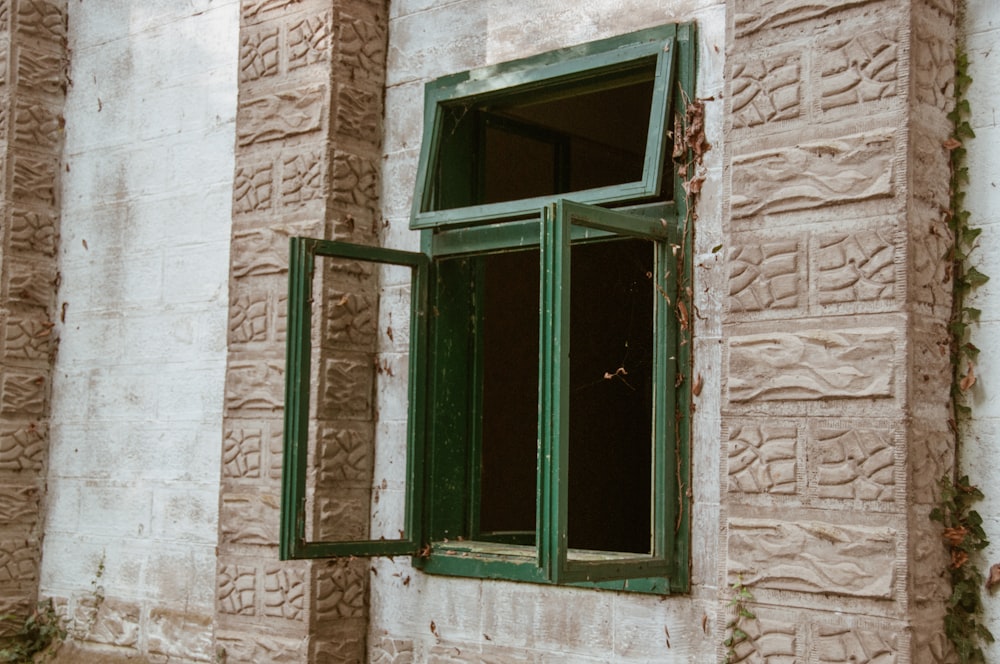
559, 562
442, 177
298, 447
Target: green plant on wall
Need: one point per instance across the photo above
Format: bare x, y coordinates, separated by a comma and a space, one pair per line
963, 532
736, 627
39, 631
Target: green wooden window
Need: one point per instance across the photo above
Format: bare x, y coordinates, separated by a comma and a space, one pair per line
547, 392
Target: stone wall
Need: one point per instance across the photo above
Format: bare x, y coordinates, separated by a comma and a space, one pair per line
308, 134
32, 88
835, 399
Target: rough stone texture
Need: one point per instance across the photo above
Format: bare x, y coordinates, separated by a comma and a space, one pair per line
838, 293
33, 95
308, 133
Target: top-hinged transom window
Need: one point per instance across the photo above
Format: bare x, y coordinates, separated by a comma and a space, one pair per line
588, 124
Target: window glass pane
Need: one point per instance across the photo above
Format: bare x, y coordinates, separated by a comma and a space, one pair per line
611, 381
357, 466
509, 396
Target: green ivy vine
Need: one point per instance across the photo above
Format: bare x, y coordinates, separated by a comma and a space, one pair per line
963, 532
736, 627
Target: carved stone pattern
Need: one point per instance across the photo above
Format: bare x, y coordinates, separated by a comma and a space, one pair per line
183, 635
260, 252
345, 455
22, 449
341, 590
23, 394
39, 71
275, 451
35, 179
36, 126
41, 19
4, 21
281, 115
392, 651
843, 644
812, 364
344, 515
358, 113
284, 592
302, 177
18, 507
241, 453
771, 14
18, 561
929, 460
248, 318
351, 319
762, 459
929, 555
253, 8
856, 267
345, 642
813, 557
255, 645
110, 622
362, 46
766, 90
255, 385
767, 641
933, 68
931, 645
281, 318
31, 283
809, 175
237, 590
764, 276
858, 68
33, 232
857, 464
252, 188
931, 370
355, 180
930, 269
27, 339
249, 518
309, 41
259, 51
347, 388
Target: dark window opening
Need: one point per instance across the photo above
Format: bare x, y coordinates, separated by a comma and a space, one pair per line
610, 439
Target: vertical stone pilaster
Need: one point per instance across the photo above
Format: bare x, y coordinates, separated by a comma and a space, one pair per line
836, 379
308, 140
32, 94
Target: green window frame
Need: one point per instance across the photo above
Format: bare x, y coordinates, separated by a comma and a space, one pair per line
441, 531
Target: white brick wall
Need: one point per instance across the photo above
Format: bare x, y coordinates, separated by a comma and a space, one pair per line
979, 453
138, 387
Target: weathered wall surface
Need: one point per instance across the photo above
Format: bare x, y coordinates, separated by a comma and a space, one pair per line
476, 620
137, 400
981, 37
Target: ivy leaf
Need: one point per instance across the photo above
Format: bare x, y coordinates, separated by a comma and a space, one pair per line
974, 277
972, 314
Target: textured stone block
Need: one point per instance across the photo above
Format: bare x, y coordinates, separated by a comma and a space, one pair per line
853, 464
762, 458
812, 364
31, 283
39, 71
355, 179
19, 561
260, 9
250, 646
249, 314
766, 90
858, 68
341, 514
281, 115
765, 275
108, 621
347, 387
259, 52
309, 40
346, 453
843, 644
341, 589
23, 448
302, 177
35, 179
252, 187
241, 452
284, 594
813, 557
27, 339
856, 267
42, 20
23, 394
387, 650
361, 44
260, 252
754, 16
37, 126
343, 642
358, 113
813, 174
255, 386
236, 591
933, 65
248, 518
19, 507
770, 638
179, 634
349, 319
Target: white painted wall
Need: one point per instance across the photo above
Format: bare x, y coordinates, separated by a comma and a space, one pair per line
979, 452
526, 622
138, 385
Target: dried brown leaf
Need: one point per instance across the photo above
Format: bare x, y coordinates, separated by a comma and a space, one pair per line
952, 143
993, 578
968, 380
955, 536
